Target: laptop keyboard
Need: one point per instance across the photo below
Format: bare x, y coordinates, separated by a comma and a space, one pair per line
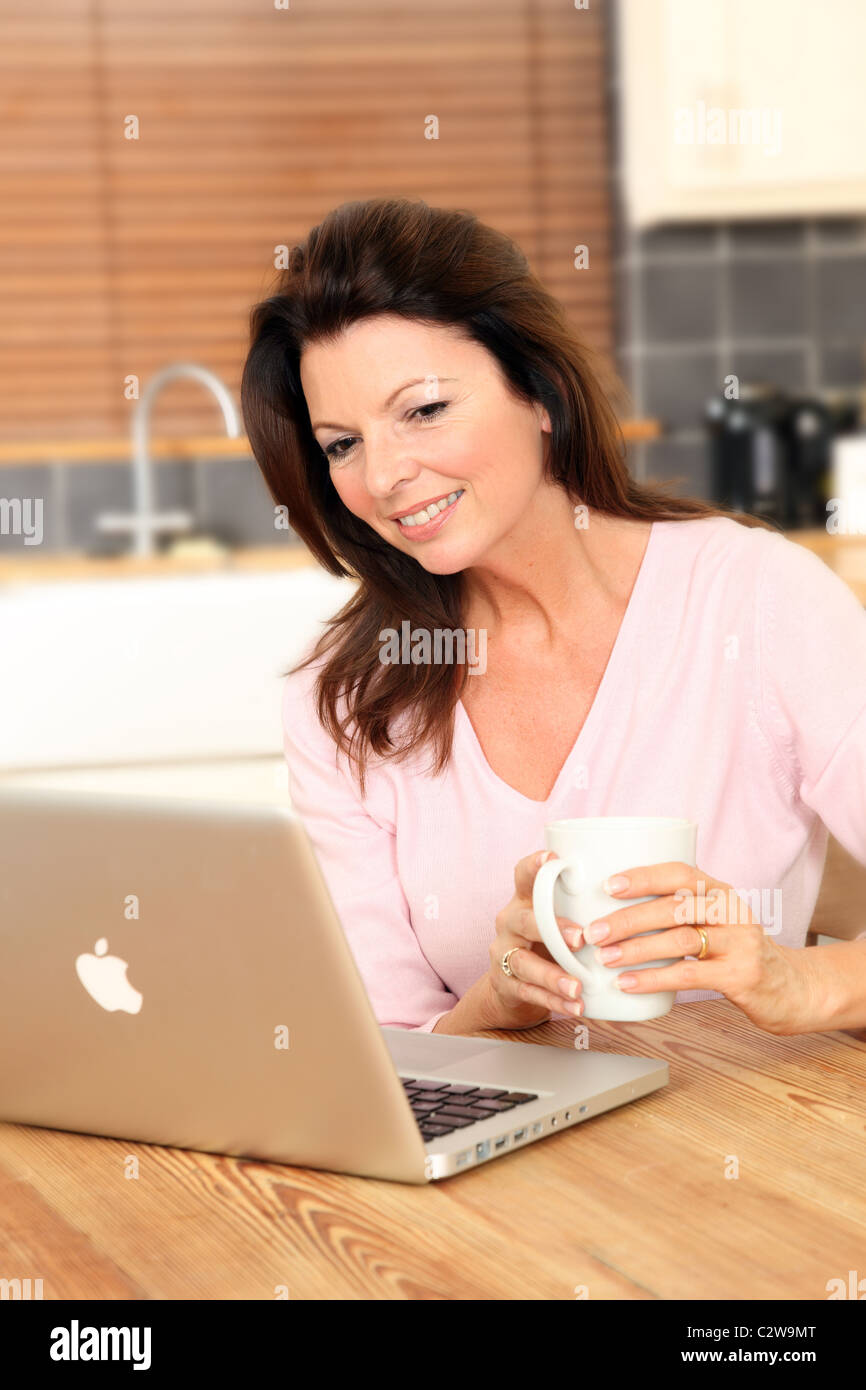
440, 1107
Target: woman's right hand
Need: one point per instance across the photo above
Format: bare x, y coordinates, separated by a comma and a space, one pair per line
538, 984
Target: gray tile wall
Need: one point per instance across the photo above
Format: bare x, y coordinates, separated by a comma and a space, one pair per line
778, 301
226, 496
782, 302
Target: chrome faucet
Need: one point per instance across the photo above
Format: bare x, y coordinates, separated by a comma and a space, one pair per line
144, 523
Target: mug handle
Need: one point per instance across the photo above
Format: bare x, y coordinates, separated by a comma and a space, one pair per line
542, 906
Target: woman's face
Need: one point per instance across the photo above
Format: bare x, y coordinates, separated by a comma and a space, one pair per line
410, 414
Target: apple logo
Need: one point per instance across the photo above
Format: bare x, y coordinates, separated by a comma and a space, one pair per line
104, 978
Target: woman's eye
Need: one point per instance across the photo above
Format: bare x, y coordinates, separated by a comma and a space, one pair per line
336, 452
436, 406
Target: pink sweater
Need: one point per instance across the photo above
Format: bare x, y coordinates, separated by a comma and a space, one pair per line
735, 695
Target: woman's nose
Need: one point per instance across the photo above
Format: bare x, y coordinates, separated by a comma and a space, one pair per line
386, 465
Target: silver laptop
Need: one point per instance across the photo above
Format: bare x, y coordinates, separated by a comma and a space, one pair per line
173, 971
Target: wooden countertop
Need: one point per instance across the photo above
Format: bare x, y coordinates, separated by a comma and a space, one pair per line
632, 1204
118, 449
20, 567
846, 555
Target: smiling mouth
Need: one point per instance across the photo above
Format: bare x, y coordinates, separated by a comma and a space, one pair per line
430, 512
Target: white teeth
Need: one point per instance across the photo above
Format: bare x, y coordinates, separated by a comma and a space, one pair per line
419, 518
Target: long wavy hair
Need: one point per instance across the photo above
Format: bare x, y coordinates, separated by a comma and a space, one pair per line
442, 266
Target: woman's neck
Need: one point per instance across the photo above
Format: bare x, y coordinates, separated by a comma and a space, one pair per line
544, 584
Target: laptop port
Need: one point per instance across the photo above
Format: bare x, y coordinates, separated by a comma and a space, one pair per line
519, 1134
500, 1143
482, 1150
537, 1127
464, 1158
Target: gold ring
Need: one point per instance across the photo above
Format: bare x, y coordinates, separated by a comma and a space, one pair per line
506, 968
705, 941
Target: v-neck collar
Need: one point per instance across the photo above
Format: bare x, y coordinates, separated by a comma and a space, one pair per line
623, 640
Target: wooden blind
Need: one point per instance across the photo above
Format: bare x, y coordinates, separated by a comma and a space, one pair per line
118, 256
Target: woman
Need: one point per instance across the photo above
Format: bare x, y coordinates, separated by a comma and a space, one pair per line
416, 401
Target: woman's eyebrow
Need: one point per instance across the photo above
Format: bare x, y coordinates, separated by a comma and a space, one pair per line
417, 381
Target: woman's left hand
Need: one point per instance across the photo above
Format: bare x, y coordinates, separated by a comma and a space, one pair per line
770, 983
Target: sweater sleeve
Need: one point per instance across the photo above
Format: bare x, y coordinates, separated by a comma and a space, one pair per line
812, 686
355, 846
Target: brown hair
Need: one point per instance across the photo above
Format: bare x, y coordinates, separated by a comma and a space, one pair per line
438, 266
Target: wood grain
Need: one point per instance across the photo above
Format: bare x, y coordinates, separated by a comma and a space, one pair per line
633, 1204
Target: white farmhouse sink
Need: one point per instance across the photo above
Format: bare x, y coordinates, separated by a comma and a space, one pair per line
123, 671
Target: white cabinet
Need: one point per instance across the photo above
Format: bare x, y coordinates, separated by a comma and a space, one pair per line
739, 108
145, 670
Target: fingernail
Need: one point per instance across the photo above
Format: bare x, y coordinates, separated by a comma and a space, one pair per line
598, 931
626, 981
569, 986
615, 884
574, 936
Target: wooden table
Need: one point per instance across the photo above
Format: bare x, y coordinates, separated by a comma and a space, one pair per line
634, 1204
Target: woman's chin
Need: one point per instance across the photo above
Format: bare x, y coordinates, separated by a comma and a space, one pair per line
444, 558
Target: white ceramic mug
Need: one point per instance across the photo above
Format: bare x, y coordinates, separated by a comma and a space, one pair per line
591, 850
